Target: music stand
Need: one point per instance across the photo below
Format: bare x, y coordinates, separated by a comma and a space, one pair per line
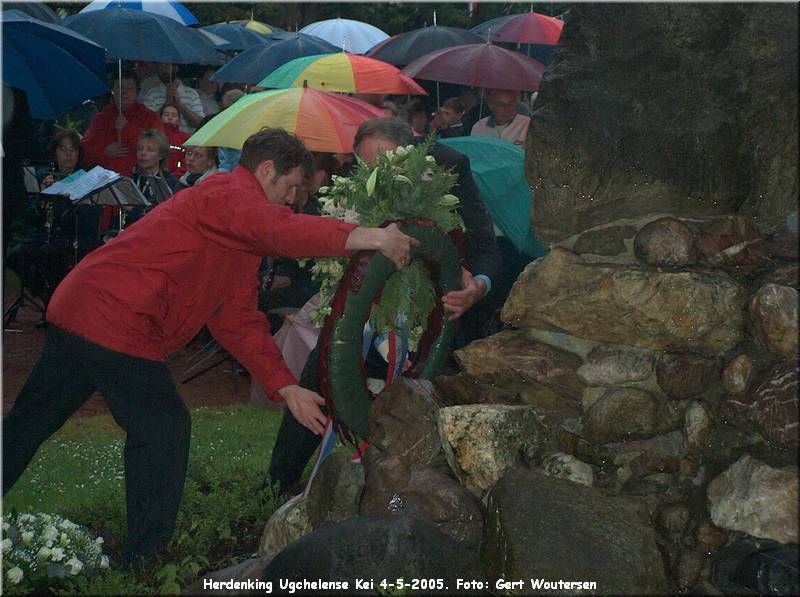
121, 192
159, 187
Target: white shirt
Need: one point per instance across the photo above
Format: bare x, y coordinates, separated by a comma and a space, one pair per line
157, 96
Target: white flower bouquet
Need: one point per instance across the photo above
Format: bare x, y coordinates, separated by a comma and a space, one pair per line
404, 183
44, 549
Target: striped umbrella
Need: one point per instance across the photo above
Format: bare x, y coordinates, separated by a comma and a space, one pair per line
343, 72
323, 121
166, 8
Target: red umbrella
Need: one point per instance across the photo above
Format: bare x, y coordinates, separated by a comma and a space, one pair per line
479, 65
526, 28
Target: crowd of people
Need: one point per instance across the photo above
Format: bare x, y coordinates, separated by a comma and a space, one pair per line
237, 220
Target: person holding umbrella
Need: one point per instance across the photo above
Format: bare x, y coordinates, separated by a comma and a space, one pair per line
194, 261
113, 133
504, 122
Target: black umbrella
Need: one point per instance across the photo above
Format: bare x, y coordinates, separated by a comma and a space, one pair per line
138, 35
37, 10
405, 48
256, 63
239, 37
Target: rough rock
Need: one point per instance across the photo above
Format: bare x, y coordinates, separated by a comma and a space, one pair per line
737, 374
617, 131
678, 311
788, 275
608, 241
286, 525
395, 488
510, 355
566, 466
754, 498
673, 520
628, 413
683, 375
688, 568
336, 491
481, 442
617, 546
709, 538
402, 421
698, 427
616, 365
773, 312
731, 241
453, 390
771, 408
667, 242
374, 548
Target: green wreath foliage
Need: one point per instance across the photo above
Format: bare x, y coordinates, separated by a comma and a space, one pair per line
404, 183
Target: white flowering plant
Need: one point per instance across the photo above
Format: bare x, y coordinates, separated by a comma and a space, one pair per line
45, 550
404, 183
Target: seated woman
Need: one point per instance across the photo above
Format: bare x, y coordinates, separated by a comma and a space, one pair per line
201, 162
152, 152
66, 156
171, 119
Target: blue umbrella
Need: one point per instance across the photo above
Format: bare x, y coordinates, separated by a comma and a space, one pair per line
256, 63
166, 8
138, 35
56, 67
499, 171
239, 37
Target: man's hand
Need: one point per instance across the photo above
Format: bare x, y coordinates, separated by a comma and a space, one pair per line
172, 92
48, 181
458, 302
120, 122
304, 406
392, 243
116, 150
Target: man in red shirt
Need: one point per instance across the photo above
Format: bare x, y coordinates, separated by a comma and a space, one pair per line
192, 261
111, 138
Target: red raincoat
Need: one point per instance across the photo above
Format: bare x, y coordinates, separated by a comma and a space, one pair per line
193, 261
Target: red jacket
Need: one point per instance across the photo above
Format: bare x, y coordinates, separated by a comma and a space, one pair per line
102, 133
176, 137
190, 262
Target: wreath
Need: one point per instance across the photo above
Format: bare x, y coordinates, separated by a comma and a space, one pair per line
408, 187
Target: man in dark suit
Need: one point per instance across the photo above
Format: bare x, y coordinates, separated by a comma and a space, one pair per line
295, 444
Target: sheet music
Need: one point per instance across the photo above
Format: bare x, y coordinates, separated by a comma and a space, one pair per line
78, 187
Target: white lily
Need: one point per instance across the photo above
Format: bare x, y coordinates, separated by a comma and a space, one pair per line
75, 565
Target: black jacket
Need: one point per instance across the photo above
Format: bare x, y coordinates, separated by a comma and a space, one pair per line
482, 254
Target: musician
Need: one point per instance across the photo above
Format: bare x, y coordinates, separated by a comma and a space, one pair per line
118, 314
66, 155
152, 152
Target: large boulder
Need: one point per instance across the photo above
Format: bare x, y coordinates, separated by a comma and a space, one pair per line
396, 488
372, 549
542, 527
510, 354
667, 118
771, 408
678, 311
628, 413
616, 365
773, 312
482, 441
756, 499
402, 421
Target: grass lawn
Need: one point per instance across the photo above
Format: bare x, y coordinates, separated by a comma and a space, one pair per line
78, 474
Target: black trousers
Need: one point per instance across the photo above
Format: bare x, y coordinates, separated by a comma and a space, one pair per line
295, 444
144, 402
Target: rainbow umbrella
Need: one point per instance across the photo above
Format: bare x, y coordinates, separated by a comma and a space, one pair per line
323, 121
342, 72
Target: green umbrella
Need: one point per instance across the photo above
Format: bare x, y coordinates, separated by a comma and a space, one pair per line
499, 171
